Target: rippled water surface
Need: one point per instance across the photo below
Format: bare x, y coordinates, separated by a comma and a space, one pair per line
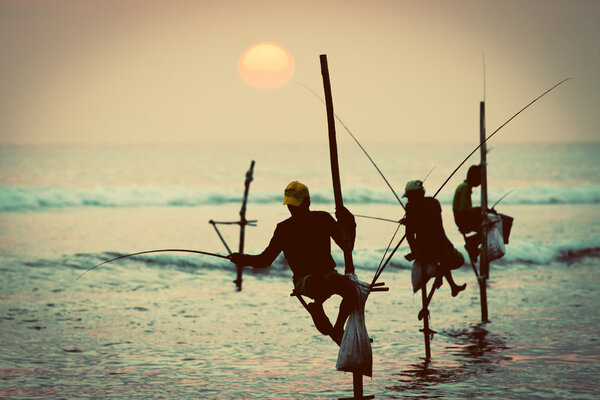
172, 326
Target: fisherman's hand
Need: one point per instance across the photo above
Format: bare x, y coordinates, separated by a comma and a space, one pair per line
344, 216
239, 259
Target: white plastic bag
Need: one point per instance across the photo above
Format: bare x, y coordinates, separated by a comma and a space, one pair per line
421, 273
355, 350
495, 240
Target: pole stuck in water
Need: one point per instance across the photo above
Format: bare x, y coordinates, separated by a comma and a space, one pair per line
243, 223
483, 258
337, 193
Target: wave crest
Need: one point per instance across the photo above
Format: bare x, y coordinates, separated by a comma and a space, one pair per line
14, 198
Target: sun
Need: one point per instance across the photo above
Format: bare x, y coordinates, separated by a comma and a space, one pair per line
266, 65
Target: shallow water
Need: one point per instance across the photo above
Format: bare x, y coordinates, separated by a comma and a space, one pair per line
173, 326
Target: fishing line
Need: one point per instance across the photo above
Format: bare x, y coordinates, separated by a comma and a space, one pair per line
378, 273
377, 218
156, 251
358, 143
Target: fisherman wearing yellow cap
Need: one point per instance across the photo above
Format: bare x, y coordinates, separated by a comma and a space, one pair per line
426, 236
305, 241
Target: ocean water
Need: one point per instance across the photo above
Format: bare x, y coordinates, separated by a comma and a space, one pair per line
173, 326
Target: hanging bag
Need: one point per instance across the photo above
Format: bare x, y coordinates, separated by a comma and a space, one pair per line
495, 239
355, 353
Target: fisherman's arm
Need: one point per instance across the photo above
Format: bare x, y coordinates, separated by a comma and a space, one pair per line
262, 260
411, 237
462, 200
344, 230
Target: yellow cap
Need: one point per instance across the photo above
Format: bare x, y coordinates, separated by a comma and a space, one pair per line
294, 193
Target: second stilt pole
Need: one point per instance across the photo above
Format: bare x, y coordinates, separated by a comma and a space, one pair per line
484, 267
243, 222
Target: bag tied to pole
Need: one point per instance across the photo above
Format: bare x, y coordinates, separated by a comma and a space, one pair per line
355, 353
495, 239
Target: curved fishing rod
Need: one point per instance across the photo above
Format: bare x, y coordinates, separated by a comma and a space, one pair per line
380, 270
155, 251
502, 198
493, 133
358, 143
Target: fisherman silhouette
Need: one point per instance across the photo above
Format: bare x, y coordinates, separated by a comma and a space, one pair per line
426, 236
305, 241
468, 218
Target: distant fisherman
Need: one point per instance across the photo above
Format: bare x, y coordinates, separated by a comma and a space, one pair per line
426, 236
305, 241
468, 218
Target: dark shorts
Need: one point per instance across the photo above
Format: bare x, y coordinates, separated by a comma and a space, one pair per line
451, 260
321, 287
470, 221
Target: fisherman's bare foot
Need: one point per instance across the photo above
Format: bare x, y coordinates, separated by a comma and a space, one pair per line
457, 289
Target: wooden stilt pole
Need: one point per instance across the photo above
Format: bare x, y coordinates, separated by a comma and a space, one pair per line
483, 260
337, 190
243, 223
425, 330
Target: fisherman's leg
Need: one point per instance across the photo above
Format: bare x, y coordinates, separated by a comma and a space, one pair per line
473, 224
318, 289
452, 260
345, 288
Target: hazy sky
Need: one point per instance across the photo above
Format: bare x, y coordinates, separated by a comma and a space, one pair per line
117, 71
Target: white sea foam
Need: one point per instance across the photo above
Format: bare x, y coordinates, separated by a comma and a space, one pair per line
15, 198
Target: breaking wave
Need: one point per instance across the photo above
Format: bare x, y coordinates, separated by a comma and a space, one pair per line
14, 198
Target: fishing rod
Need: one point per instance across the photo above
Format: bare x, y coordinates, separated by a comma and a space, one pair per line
502, 198
155, 251
358, 143
493, 133
380, 270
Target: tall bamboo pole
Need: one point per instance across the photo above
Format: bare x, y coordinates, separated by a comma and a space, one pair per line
337, 189
483, 260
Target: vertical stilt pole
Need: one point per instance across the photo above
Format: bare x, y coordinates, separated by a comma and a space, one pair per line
243, 222
337, 188
484, 268
426, 323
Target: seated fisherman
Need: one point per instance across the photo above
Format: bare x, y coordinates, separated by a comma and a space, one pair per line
468, 218
305, 241
426, 236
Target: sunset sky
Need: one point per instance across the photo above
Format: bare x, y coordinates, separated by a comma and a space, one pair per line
128, 72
